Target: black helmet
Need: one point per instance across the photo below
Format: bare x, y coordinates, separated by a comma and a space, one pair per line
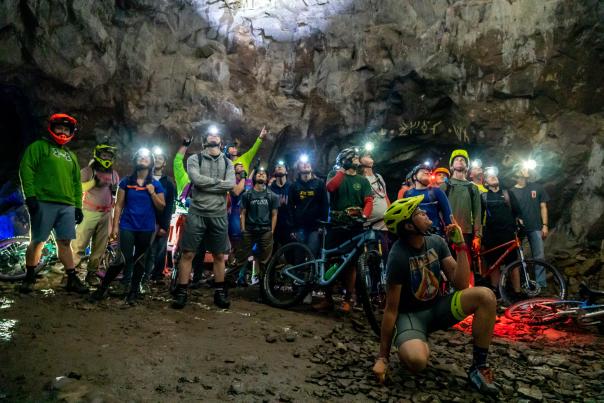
416, 169
345, 157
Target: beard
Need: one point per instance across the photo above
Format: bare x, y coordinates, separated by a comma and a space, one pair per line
279, 174
212, 144
260, 181
424, 182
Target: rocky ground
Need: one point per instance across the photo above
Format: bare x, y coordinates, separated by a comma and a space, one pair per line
56, 347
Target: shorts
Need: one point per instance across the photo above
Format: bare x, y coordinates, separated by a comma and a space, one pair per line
212, 231
264, 242
53, 216
445, 313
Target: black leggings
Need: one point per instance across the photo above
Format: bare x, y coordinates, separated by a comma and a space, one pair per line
133, 245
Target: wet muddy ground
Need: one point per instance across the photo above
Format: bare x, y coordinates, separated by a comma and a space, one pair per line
56, 346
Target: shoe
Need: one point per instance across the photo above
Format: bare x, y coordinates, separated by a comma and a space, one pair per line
323, 306
255, 280
180, 297
92, 279
99, 294
133, 296
74, 284
483, 380
308, 299
145, 288
221, 299
345, 307
27, 285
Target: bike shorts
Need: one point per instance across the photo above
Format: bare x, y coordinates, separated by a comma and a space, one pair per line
445, 313
59, 217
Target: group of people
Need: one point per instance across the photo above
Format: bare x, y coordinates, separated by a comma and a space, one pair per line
234, 208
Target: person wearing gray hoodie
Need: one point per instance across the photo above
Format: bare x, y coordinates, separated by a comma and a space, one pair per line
212, 175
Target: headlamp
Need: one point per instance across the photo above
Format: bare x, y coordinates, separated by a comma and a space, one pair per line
280, 163
476, 163
213, 130
369, 146
143, 152
529, 164
157, 151
491, 171
303, 158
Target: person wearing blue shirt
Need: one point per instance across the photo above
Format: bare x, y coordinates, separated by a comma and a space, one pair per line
140, 199
435, 203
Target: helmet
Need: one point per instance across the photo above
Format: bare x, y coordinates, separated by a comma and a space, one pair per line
442, 170
491, 171
416, 169
226, 149
400, 211
63, 120
143, 152
158, 151
104, 147
345, 157
459, 153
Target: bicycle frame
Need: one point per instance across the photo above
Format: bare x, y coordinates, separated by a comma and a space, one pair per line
318, 265
511, 246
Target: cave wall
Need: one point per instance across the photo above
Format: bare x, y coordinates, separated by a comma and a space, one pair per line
504, 78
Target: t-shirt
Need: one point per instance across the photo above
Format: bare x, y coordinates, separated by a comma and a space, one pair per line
259, 207
352, 193
380, 200
499, 219
436, 205
100, 197
282, 193
529, 199
139, 212
418, 271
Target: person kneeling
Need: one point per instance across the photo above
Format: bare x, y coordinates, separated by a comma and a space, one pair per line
415, 306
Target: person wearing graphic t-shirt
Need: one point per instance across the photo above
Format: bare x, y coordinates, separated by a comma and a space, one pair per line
259, 211
140, 199
531, 200
415, 305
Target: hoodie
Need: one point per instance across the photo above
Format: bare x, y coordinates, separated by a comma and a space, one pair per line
211, 179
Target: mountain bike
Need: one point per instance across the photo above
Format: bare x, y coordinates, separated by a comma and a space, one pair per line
12, 257
543, 311
293, 271
518, 280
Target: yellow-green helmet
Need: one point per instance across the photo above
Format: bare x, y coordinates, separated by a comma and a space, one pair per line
104, 147
401, 210
459, 153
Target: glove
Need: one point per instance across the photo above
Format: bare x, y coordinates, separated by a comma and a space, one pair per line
243, 175
32, 205
454, 234
79, 216
187, 141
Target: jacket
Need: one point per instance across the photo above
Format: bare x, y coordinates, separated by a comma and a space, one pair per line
211, 178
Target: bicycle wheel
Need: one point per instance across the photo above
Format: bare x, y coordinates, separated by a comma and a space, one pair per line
520, 281
281, 290
541, 311
174, 274
12, 258
371, 288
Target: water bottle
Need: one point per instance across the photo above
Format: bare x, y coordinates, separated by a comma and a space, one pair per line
331, 271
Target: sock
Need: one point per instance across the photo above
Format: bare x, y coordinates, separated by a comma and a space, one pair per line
479, 355
219, 286
31, 272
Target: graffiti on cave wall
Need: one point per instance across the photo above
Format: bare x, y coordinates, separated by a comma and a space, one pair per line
427, 127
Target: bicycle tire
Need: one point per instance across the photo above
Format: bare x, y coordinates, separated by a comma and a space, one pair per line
556, 284
539, 311
290, 293
174, 274
370, 289
12, 259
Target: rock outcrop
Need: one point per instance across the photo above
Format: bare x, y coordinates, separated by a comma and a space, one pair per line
505, 78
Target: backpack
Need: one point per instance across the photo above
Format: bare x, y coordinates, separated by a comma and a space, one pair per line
483, 198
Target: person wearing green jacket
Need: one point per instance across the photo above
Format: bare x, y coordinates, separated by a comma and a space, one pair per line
50, 177
246, 158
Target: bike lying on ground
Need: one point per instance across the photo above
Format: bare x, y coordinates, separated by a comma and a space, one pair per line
12, 257
524, 278
543, 311
293, 271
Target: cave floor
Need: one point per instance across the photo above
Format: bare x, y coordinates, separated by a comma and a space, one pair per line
55, 346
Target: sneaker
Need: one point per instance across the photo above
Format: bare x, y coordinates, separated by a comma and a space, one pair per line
92, 279
145, 288
180, 298
221, 299
255, 280
323, 306
483, 380
99, 294
74, 284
